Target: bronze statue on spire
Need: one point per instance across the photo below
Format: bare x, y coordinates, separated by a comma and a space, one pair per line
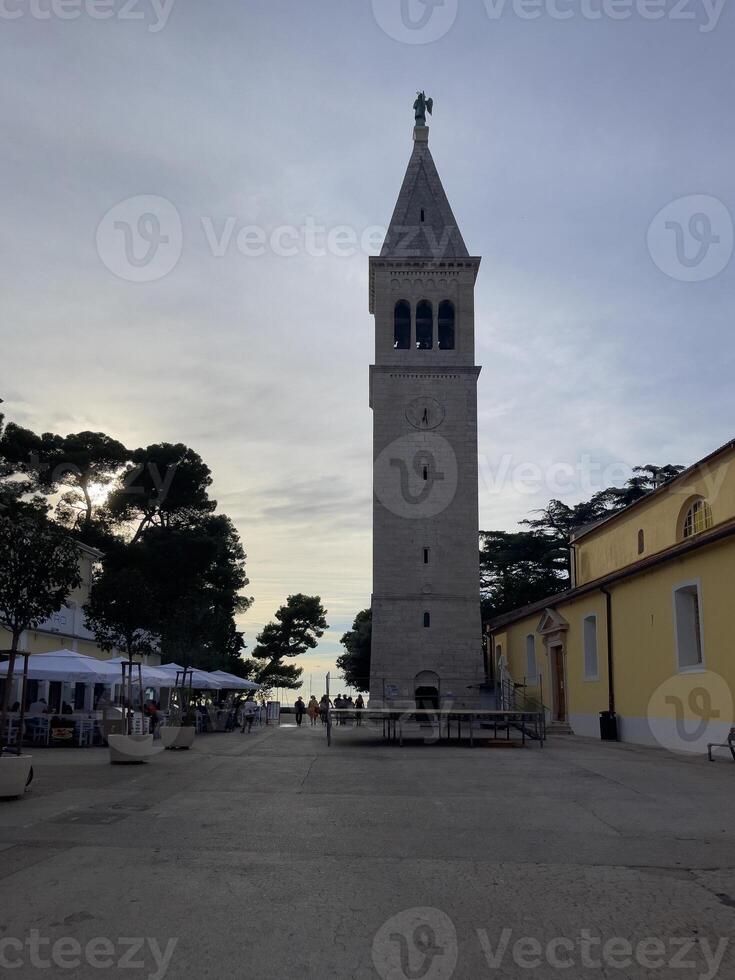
421, 106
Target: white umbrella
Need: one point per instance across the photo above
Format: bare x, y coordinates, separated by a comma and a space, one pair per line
66, 665
231, 682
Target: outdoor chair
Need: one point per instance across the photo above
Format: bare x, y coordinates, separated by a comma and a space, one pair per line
85, 731
38, 730
11, 731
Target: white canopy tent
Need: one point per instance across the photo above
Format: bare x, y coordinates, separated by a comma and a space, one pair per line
153, 676
231, 682
200, 679
66, 666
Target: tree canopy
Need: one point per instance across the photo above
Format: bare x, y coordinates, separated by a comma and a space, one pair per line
522, 567
173, 569
298, 626
355, 662
39, 567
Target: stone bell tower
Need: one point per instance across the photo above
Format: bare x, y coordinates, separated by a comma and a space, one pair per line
427, 635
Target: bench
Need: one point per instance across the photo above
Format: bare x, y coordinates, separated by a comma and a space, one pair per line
729, 744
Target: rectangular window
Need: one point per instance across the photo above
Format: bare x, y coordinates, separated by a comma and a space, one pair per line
688, 623
591, 669
427, 620
531, 670
426, 556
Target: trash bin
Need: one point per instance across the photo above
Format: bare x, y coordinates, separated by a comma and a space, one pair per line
608, 726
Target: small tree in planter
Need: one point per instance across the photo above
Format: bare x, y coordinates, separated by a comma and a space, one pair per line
39, 567
119, 610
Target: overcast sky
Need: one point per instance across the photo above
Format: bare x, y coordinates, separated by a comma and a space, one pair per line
559, 142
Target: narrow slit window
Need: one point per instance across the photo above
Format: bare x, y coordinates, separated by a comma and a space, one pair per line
446, 325
426, 556
641, 542
427, 620
423, 215
425, 472
424, 326
402, 326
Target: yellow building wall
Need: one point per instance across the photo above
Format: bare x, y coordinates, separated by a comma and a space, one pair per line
645, 634
615, 544
651, 691
584, 696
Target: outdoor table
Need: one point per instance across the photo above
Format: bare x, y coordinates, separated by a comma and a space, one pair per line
393, 719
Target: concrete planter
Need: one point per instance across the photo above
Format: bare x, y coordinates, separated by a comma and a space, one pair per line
14, 770
178, 737
131, 749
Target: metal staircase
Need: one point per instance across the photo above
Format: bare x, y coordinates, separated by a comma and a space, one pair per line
513, 697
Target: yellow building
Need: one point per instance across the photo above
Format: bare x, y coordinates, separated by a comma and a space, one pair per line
645, 630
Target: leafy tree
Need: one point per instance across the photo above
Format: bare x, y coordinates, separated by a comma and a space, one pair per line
39, 567
646, 479
164, 485
78, 465
197, 573
122, 611
355, 663
14, 485
518, 568
298, 626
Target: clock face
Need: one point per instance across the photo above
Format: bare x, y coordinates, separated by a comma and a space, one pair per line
425, 413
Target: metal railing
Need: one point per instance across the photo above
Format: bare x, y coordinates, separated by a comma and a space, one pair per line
514, 696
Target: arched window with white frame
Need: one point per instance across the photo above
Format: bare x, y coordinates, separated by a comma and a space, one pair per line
697, 518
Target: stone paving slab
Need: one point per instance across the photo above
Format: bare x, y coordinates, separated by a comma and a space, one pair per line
273, 856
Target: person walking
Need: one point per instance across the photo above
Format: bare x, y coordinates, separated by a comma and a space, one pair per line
247, 713
359, 708
313, 710
299, 710
324, 708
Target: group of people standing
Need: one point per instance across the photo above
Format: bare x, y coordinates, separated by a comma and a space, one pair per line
318, 710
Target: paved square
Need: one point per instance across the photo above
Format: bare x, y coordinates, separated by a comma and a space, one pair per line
273, 856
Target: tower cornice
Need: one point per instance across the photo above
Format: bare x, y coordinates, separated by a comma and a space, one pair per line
418, 265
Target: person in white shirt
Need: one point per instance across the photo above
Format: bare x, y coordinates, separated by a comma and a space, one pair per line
248, 711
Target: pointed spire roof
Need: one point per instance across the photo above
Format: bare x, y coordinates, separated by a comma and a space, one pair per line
423, 225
